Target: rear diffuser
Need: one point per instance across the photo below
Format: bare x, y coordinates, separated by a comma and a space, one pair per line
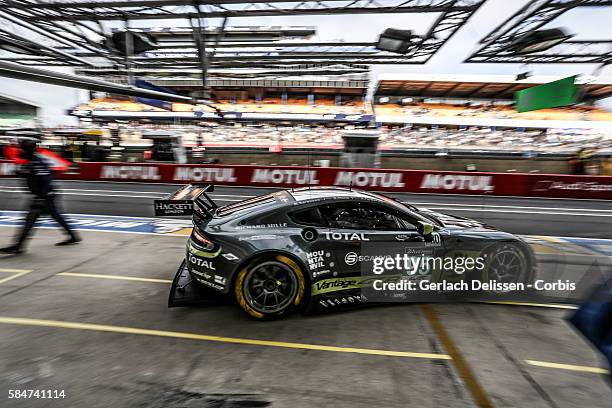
185, 291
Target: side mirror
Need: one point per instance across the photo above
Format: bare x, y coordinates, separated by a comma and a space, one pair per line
424, 228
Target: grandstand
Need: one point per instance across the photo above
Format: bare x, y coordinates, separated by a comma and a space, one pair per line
480, 101
321, 98
446, 101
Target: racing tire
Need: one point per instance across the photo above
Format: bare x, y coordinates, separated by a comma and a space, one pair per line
507, 263
270, 287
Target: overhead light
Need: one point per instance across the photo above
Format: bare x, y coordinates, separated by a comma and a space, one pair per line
539, 40
523, 75
384, 99
398, 41
141, 42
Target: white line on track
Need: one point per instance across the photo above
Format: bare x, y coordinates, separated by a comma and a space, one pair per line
135, 194
384, 192
521, 212
22, 189
509, 206
178, 220
508, 209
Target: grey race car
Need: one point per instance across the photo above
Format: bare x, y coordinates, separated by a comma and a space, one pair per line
306, 248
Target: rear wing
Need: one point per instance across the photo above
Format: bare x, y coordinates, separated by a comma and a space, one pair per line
187, 200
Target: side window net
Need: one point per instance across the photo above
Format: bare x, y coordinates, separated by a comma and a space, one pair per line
351, 216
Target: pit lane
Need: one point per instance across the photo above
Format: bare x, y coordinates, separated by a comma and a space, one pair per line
93, 320
531, 216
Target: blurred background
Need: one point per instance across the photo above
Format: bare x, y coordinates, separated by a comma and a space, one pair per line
492, 110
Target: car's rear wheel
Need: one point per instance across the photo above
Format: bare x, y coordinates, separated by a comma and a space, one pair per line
270, 287
507, 263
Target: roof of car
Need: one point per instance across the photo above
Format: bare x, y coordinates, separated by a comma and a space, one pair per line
323, 193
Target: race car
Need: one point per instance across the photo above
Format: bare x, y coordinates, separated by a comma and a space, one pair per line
312, 248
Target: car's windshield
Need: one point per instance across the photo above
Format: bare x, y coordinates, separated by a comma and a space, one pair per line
406, 206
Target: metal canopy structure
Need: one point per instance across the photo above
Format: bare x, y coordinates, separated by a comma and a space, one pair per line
535, 15
83, 10
471, 87
74, 29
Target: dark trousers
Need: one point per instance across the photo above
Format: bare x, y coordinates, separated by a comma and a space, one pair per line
42, 206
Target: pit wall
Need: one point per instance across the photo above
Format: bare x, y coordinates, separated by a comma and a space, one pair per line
394, 180
501, 165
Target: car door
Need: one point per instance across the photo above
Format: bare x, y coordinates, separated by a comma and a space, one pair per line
318, 253
363, 233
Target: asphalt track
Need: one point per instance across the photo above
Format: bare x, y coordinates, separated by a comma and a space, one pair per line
92, 320
529, 216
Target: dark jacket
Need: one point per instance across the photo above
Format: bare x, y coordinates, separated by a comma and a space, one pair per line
38, 177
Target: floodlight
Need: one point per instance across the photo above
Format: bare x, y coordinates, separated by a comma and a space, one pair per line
141, 42
398, 41
539, 40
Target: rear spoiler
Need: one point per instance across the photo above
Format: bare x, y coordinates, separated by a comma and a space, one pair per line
187, 200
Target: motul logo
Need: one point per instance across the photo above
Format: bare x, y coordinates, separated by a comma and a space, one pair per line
206, 174
457, 182
369, 179
283, 176
130, 172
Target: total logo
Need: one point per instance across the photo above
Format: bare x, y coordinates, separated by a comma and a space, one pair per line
202, 262
345, 236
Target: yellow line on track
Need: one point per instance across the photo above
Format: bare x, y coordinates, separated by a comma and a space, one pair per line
115, 277
569, 367
219, 339
15, 270
16, 273
480, 397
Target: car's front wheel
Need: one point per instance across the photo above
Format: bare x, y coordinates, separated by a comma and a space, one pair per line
270, 287
507, 263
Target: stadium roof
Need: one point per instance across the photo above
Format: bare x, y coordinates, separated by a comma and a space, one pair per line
500, 87
71, 32
535, 15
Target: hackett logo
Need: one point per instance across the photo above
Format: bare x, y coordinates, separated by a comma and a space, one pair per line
207, 174
457, 182
130, 172
369, 179
285, 176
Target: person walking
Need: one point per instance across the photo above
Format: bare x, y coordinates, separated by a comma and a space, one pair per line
39, 180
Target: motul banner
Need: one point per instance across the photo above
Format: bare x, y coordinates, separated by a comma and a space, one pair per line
414, 181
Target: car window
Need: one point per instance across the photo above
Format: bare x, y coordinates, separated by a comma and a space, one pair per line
361, 216
309, 216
